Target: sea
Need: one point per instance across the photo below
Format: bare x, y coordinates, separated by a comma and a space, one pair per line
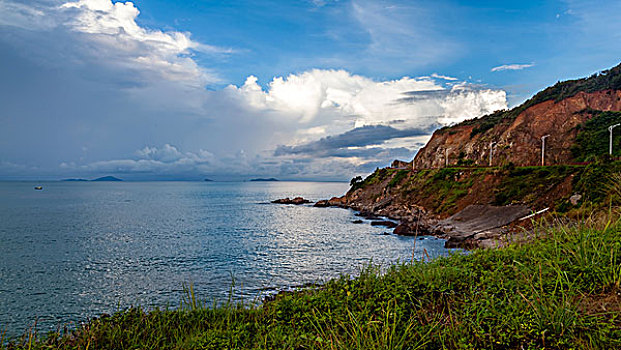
77, 250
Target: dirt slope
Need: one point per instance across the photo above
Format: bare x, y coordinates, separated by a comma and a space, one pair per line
519, 140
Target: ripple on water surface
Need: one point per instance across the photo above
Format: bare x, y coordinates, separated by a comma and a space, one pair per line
79, 249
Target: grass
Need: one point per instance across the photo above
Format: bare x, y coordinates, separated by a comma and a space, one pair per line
524, 184
562, 291
398, 178
443, 186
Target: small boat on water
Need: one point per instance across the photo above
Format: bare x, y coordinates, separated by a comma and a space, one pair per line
38, 188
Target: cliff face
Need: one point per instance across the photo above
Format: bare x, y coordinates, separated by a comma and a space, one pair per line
518, 139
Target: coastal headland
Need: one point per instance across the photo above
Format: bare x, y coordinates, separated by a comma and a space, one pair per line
480, 182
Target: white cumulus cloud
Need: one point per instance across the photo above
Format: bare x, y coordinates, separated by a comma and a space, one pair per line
113, 25
406, 102
106, 34
306, 94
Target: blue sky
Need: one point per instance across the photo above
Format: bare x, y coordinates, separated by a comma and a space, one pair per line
462, 39
293, 89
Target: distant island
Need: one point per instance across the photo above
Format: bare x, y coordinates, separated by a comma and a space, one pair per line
107, 178
264, 179
208, 180
104, 178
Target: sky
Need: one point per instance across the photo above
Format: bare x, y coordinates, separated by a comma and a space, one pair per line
298, 90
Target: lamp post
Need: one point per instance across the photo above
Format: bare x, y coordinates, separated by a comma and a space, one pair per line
543, 149
491, 152
610, 129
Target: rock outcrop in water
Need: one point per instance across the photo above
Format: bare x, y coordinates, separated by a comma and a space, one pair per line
332, 202
296, 201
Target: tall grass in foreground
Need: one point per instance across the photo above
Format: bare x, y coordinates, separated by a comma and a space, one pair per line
561, 291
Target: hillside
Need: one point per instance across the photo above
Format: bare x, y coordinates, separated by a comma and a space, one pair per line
451, 191
435, 201
562, 111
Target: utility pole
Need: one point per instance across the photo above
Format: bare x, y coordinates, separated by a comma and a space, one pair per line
610, 129
543, 149
491, 152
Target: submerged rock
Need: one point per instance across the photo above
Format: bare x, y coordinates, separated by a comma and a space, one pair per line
385, 223
367, 215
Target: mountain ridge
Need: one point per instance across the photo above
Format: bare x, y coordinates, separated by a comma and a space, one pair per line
515, 135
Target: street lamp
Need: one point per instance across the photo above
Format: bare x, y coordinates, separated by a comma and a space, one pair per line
610, 129
543, 149
491, 152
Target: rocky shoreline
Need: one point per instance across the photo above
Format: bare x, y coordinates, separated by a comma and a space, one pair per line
476, 226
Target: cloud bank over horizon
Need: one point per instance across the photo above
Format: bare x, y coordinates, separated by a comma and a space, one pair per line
107, 95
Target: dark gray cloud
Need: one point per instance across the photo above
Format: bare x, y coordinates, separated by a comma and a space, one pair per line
412, 96
372, 152
418, 96
359, 137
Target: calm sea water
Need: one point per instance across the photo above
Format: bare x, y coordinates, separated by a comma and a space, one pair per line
79, 249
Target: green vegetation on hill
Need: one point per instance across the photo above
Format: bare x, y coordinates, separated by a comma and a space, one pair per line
559, 292
489, 121
605, 80
442, 187
398, 178
593, 137
526, 184
375, 177
440, 190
